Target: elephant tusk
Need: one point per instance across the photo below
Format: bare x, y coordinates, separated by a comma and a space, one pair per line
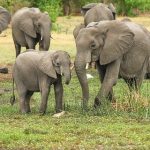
87, 66
72, 67
61, 73
41, 38
51, 37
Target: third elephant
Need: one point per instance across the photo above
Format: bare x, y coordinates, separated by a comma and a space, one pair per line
100, 12
30, 26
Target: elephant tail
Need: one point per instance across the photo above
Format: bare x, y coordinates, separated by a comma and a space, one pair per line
12, 99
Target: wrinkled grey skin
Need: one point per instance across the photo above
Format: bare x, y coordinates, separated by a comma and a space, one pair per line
99, 12
87, 7
30, 26
119, 49
95, 12
36, 71
5, 18
147, 76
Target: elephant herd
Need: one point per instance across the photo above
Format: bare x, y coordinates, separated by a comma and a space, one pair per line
120, 49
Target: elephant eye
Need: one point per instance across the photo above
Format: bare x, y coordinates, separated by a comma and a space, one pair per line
93, 45
39, 25
57, 64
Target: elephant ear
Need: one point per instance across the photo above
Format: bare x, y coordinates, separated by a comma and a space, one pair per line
27, 26
46, 65
5, 18
77, 29
118, 40
113, 10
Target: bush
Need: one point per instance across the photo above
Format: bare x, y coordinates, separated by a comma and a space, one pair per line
51, 6
14, 5
131, 7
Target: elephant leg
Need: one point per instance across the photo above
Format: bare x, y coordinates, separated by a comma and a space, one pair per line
30, 42
41, 45
44, 98
102, 72
27, 102
22, 100
110, 79
18, 49
142, 74
58, 88
27, 47
131, 83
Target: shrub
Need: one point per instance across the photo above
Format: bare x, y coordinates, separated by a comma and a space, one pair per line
51, 6
14, 5
131, 7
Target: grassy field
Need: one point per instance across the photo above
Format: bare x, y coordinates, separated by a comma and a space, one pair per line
122, 125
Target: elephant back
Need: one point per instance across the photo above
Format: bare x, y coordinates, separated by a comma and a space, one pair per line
98, 13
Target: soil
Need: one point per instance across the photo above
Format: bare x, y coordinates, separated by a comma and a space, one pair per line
6, 77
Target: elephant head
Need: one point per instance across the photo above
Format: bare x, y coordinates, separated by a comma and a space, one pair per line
56, 63
103, 42
4, 18
37, 25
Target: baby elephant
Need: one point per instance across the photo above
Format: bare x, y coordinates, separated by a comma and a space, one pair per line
36, 71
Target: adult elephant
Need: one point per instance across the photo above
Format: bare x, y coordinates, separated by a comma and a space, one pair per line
118, 48
30, 26
5, 18
99, 12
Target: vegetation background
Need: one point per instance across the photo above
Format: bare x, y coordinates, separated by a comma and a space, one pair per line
56, 8
122, 125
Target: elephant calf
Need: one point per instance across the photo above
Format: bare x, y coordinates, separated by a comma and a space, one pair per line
36, 71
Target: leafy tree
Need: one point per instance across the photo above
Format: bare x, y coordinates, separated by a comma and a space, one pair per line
131, 7
53, 7
13, 5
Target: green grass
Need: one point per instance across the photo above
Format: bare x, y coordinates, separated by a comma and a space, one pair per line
123, 125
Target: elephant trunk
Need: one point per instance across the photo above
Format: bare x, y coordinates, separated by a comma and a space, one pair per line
45, 39
4, 19
67, 78
46, 43
66, 72
81, 74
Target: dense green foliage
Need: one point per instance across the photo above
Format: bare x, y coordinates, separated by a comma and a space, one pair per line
132, 7
51, 6
59, 7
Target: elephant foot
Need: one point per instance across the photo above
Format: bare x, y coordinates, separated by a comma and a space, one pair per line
113, 100
97, 103
85, 106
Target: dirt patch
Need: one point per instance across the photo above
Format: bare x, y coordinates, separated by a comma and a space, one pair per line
6, 77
